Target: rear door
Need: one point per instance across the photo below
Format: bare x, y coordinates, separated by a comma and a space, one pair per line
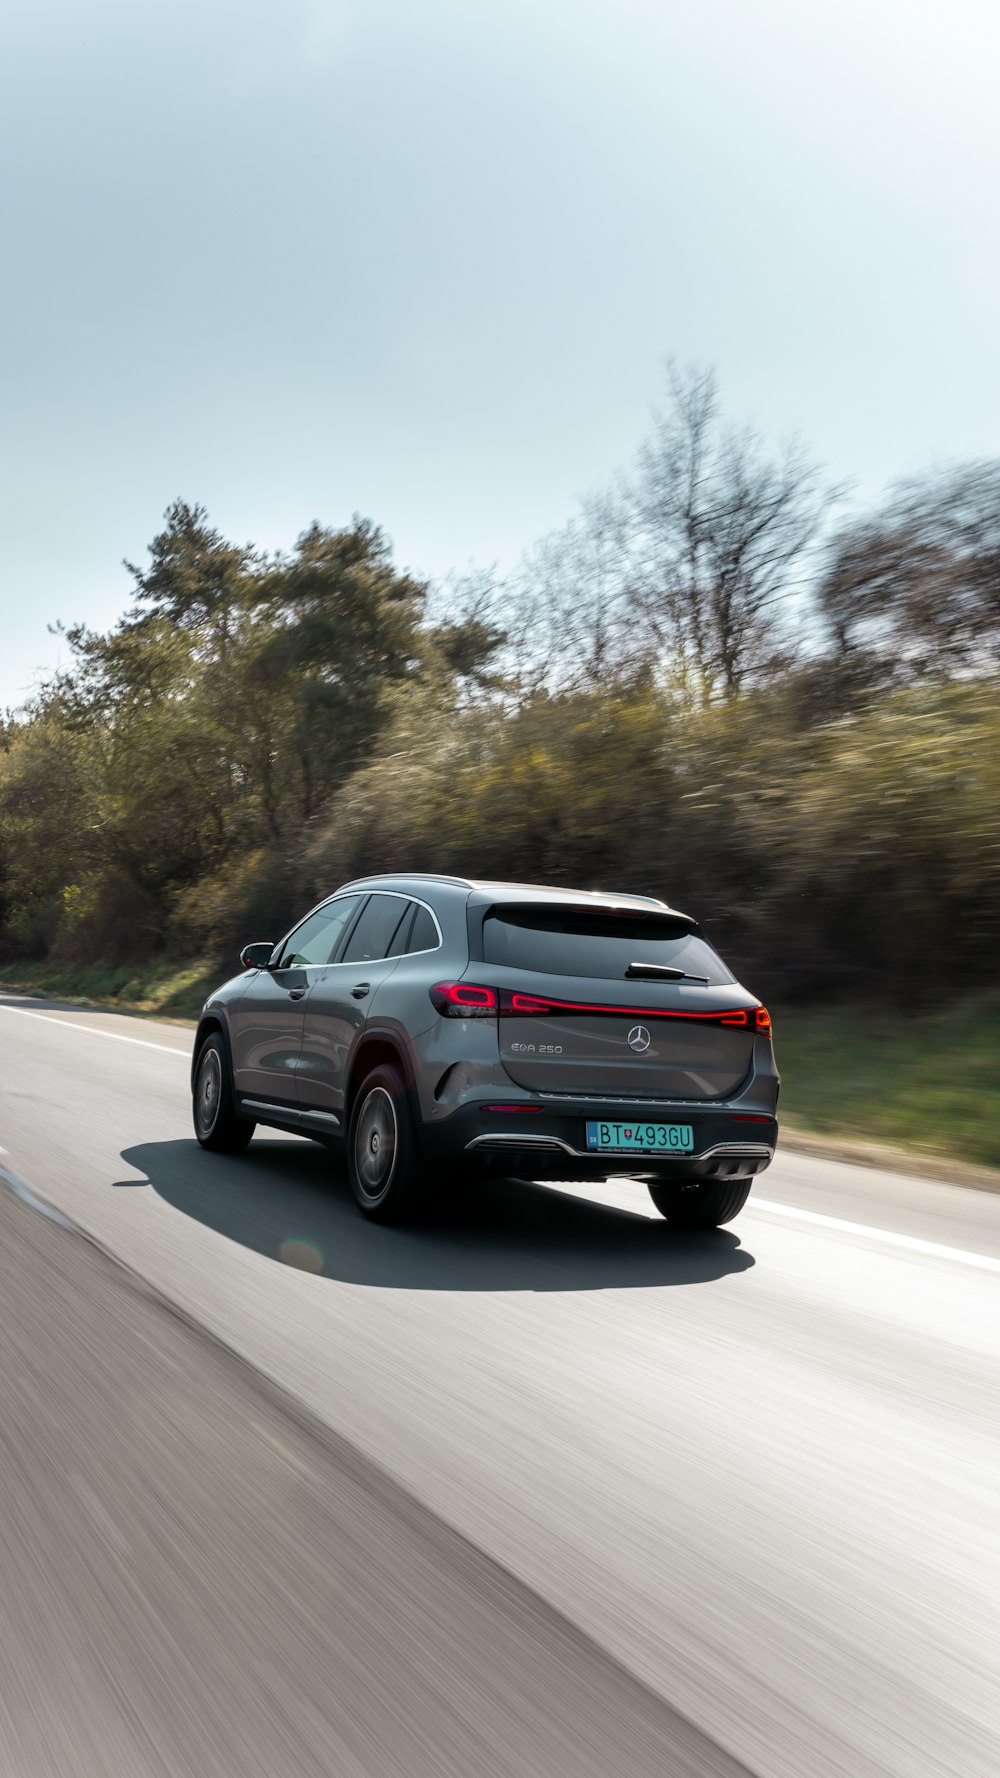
617, 1004
341, 996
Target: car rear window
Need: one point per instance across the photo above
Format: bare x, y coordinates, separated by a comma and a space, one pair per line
560, 941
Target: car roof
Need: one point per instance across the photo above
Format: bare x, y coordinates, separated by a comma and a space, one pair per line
485, 891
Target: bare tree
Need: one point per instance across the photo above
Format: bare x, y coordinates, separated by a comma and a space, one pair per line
570, 594
916, 587
720, 536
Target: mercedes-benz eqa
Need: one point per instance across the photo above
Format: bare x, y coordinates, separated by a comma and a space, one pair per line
436, 1028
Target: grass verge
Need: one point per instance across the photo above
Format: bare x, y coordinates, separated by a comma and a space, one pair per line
152, 988
926, 1082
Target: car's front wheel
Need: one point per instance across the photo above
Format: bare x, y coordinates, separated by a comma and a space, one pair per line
704, 1204
386, 1173
216, 1124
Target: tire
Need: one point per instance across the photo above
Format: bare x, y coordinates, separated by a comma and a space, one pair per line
383, 1162
216, 1124
706, 1205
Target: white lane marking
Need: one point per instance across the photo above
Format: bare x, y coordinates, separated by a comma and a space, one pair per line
143, 1043
984, 1262
27, 1196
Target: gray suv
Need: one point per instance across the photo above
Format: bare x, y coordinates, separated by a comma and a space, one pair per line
436, 1028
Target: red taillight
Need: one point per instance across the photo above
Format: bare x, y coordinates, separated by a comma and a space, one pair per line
470, 1000
464, 1000
749, 1117
525, 1004
516, 1109
528, 1005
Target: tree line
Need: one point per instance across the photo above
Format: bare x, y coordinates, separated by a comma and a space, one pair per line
717, 684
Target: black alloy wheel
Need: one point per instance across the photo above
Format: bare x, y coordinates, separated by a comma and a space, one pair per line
387, 1176
216, 1124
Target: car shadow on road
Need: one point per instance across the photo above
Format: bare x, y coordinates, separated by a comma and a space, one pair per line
290, 1201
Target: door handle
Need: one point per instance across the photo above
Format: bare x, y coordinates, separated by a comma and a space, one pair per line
360, 989
296, 993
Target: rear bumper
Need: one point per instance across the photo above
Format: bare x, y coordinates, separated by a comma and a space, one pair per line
550, 1139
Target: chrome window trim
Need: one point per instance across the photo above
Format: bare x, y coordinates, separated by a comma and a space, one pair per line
364, 895
397, 956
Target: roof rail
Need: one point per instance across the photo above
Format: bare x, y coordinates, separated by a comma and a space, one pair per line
652, 901
410, 876
427, 876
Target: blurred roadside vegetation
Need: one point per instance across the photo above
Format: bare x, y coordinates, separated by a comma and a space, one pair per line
161, 990
925, 1081
718, 684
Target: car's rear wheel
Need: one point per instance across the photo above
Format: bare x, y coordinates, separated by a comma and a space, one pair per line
387, 1176
705, 1204
216, 1124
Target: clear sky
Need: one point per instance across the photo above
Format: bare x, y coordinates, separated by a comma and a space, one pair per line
423, 259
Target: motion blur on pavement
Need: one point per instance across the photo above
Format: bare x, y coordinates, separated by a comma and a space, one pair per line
566, 441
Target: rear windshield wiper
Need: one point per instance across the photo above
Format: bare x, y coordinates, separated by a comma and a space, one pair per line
662, 972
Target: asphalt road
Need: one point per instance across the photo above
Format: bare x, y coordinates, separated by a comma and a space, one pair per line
546, 1490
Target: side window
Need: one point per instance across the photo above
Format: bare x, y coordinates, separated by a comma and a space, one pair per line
398, 946
373, 935
316, 939
424, 936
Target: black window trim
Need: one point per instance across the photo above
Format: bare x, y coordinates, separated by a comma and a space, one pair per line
428, 950
406, 921
349, 928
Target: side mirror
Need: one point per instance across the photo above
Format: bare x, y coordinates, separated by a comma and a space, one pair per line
257, 956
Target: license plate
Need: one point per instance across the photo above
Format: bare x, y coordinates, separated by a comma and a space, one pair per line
632, 1138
